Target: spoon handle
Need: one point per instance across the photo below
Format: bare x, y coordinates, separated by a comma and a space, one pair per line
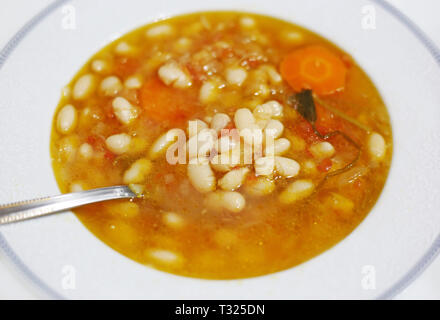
29, 209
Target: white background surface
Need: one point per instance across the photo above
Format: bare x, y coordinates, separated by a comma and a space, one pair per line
15, 13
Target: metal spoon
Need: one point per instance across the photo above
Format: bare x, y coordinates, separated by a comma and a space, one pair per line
30, 209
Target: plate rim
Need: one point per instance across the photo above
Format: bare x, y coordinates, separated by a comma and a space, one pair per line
412, 274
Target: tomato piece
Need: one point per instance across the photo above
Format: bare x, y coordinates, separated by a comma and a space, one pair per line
166, 104
325, 165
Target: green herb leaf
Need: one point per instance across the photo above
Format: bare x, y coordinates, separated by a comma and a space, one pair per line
305, 105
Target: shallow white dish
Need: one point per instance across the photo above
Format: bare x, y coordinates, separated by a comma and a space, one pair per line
63, 259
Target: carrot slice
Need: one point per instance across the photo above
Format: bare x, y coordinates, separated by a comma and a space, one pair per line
163, 103
315, 68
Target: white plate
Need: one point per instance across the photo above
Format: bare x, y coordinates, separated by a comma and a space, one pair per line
387, 251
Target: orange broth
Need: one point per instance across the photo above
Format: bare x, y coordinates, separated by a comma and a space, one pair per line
171, 228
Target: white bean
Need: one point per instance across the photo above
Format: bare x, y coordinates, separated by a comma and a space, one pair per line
261, 123
263, 111
281, 146
201, 176
195, 126
162, 143
340, 203
111, 86
309, 167
125, 209
67, 119
83, 87
171, 74
86, 151
252, 136
76, 187
262, 186
277, 108
208, 92
233, 201
173, 220
123, 48
182, 44
118, 143
259, 89
124, 111
68, 147
222, 162
236, 75
244, 119
322, 150
137, 171
297, 190
99, 66
66, 92
264, 166
247, 22
294, 37
233, 179
376, 146
202, 143
162, 30
227, 143
286, 167
220, 121
229, 200
165, 257
272, 73
274, 129
207, 119
133, 82
138, 189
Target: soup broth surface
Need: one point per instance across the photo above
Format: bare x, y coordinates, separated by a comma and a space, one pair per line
191, 220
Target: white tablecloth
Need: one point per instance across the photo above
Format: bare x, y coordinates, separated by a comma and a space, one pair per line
14, 13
